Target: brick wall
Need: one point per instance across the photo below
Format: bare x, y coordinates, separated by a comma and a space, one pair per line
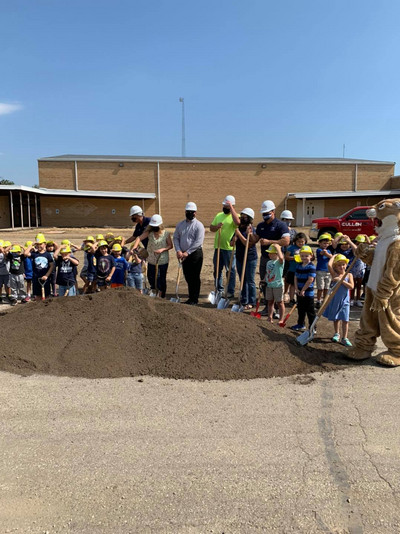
88, 211
57, 174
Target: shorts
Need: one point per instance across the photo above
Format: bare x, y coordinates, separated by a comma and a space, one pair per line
290, 278
101, 282
323, 280
4, 280
274, 293
63, 289
91, 277
84, 273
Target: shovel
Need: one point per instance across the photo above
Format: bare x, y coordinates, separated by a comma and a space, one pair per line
285, 320
256, 313
215, 295
177, 298
42, 283
154, 292
238, 308
308, 335
224, 301
146, 290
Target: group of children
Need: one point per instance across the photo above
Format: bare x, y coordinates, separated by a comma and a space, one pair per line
302, 277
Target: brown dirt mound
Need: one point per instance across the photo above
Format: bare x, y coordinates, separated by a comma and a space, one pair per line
122, 333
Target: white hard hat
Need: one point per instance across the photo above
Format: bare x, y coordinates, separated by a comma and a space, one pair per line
287, 214
135, 210
156, 220
267, 206
191, 206
249, 212
230, 199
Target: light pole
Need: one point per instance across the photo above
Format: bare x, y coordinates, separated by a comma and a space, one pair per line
182, 100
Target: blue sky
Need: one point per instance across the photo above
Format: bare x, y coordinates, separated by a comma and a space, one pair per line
260, 78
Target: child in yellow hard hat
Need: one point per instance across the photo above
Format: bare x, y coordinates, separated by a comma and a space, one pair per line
121, 267
42, 266
28, 272
105, 265
134, 277
291, 251
323, 278
304, 285
66, 265
51, 246
338, 309
16, 258
5, 247
86, 245
274, 281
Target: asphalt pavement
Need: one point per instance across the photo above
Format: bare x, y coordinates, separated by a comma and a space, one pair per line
313, 453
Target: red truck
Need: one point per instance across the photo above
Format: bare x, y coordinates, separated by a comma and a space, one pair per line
351, 223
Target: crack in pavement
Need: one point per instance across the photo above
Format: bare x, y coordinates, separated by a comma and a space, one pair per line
369, 456
336, 465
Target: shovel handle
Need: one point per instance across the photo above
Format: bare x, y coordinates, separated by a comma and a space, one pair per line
218, 253
228, 275
335, 289
244, 263
178, 278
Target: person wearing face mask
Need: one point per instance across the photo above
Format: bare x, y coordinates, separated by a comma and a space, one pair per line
249, 292
138, 218
269, 232
227, 220
287, 218
159, 243
188, 242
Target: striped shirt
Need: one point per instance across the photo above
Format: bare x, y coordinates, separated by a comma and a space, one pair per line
302, 275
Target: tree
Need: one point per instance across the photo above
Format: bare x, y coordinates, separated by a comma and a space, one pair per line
3, 181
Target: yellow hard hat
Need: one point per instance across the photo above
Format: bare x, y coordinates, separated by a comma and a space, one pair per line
91, 238
343, 242
103, 243
272, 249
86, 248
372, 237
65, 242
360, 238
66, 250
297, 258
99, 237
322, 237
109, 236
28, 244
1, 242
7, 244
307, 249
39, 236
16, 248
50, 242
118, 238
116, 248
340, 257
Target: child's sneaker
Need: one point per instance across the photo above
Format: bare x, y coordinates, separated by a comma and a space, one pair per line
318, 304
359, 304
336, 338
26, 299
299, 328
14, 302
346, 342
352, 303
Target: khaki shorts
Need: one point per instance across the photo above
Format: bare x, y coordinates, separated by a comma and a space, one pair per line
274, 293
323, 280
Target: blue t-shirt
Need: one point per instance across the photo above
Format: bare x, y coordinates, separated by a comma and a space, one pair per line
293, 250
303, 274
348, 253
41, 262
273, 230
135, 267
28, 268
322, 260
121, 265
240, 248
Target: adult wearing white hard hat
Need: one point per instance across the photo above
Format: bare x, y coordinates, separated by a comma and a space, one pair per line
138, 218
287, 217
188, 242
269, 232
249, 293
226, 221
159, 243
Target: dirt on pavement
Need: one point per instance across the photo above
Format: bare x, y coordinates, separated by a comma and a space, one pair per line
121, 333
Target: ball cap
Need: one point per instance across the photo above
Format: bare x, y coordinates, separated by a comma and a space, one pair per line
190, 206
229, 198
267, 206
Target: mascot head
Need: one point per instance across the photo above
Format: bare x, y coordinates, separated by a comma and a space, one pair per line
386, 216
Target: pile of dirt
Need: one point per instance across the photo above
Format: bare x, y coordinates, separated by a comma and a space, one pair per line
121, 333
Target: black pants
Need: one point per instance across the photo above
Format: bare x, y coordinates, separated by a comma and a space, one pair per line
191, 269
161, 277
305, 305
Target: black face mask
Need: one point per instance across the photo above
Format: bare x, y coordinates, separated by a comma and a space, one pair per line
133, 219
244, 221
226, 210
267, 216
155, 229
189, 215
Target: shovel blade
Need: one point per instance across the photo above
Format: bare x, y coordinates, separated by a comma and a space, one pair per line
152, 294
212, 297
306, 337
257, 315
237, 308
223, 303
175, 299
146, 291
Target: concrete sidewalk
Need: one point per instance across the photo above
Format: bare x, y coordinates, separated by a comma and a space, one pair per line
315, 453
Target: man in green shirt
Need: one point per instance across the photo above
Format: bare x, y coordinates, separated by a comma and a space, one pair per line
227, 220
